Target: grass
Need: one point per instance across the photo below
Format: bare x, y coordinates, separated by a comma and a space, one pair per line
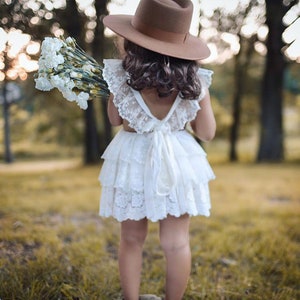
54, 246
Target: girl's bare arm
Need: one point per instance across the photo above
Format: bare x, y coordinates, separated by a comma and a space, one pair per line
204, 125
113, 113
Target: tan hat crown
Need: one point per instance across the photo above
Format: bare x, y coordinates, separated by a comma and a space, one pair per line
169, 20
161, 26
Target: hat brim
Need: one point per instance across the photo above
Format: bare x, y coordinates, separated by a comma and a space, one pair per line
192, 49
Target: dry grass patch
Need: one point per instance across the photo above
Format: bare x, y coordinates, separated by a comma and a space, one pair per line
54, 246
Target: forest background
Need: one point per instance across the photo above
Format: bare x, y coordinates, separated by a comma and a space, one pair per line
255, 92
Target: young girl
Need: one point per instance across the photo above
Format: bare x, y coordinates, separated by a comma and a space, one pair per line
154, 169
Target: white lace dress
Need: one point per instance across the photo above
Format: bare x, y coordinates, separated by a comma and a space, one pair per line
158, 170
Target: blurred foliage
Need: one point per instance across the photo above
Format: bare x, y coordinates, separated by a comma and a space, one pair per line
41, 18
291, 79
48, 118
45, 118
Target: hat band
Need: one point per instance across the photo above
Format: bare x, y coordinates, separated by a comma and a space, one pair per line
156, 33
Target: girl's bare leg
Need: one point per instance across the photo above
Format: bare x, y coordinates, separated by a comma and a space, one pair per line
174, 237
133, 235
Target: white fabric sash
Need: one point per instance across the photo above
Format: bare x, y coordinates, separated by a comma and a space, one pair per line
161, 168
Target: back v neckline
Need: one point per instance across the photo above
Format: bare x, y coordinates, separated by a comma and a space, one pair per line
146, 109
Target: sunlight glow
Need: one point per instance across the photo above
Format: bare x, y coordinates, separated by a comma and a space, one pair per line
3, 39
56, 30
260, 48
293, 51
227, 6
33, 48
291, 15
87, 7
35, 20
19, 47
249, 29
262, 32
213, 54
16, 40
49, 5
32, 5
232, 40
26, 63
14, 43
292, 32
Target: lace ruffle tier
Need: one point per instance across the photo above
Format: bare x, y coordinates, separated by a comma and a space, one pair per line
128, 192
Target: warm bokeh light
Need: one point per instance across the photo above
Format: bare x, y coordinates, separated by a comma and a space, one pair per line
290, 34
260, 48
262, 32
33, 48
56, 30
86, 7
293, 51
17, 46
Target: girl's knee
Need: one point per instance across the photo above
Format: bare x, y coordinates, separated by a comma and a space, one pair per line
174, 233
174, 242
134, 233
133, 239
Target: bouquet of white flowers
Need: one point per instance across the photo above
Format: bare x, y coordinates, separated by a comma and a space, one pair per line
65, 66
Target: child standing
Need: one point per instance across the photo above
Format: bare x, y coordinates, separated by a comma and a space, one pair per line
154, 169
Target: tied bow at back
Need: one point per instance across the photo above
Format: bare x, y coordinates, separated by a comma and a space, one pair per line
161, 167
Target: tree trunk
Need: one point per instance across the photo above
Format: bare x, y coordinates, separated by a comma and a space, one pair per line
8, 157
98, 50
91, 150
76, 30
236, 114
271, 136
241, 66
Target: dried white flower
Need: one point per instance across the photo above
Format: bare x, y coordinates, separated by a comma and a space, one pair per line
82, 99
69, 95
63, 65
51, 46
43, 84
58, 82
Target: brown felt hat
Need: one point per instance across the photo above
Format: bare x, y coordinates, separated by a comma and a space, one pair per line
161, 26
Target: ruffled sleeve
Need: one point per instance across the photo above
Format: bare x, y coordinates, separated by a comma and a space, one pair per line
205, 76
124, 99
113, 74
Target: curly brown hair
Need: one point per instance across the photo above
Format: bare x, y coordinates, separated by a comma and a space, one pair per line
148, 69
